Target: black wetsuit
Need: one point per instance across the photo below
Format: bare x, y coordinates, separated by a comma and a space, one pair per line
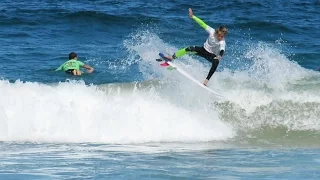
200, 51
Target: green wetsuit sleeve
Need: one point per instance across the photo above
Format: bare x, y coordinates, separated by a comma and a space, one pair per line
59, 68
200, 22
81, 64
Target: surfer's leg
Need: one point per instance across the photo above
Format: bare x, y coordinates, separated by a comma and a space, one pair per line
215, 63
200, 51
76, 72
184, 51
211, 58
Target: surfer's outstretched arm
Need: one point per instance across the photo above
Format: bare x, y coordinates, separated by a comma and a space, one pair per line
89, 68
59, 68
199, 21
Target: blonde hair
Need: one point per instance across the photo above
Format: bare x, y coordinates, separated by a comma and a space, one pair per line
222, 30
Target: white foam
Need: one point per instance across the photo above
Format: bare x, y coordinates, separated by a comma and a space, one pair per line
270, 78
74, 112
272, 67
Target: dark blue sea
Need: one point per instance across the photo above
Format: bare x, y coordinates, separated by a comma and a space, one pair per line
133, 119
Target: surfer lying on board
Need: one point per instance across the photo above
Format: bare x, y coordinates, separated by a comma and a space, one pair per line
73, 66
212, 50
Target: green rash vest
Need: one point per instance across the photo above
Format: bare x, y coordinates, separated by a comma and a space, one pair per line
71, 64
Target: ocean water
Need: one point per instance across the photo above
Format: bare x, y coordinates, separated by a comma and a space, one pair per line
132, 119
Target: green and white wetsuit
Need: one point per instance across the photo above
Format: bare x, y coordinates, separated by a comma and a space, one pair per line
71, 65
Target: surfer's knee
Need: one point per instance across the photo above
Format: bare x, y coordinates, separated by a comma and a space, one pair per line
215, 62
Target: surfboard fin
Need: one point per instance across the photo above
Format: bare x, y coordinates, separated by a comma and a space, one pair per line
171, 68
164, 64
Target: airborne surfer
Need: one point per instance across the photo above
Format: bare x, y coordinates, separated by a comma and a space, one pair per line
212, 50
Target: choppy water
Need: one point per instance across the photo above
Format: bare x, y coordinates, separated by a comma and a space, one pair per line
132, 119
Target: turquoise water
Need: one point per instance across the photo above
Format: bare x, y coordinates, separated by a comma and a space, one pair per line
133, 119
156, 161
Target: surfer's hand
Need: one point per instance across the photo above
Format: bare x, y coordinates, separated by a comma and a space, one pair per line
90, 70
190, 13
205, 82
218, 57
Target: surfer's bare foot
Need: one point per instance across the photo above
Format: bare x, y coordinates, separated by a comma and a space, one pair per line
169, 57
205, 82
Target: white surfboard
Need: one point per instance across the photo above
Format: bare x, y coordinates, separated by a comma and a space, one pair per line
183, 72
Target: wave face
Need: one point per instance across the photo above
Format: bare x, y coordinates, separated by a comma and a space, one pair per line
267, 74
